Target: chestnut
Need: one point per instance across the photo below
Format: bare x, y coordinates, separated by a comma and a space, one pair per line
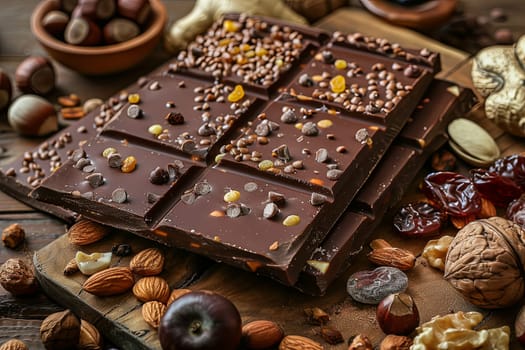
82, 31
136, 10
6, 90
95, 10
32, 115
397, 314
68, 5
35, 75
55, 22
120, 29
200, 320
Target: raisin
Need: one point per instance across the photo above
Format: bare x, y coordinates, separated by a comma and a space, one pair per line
496, 188
452, 193
418, 220
512, 167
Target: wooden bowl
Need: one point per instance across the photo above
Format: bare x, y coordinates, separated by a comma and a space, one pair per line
104, 59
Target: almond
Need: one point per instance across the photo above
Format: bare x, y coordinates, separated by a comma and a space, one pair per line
488, 209
152, 312
261, 334
297, 342
152, 288
176, 294
85, 232
111, 281
394, 257
147, 262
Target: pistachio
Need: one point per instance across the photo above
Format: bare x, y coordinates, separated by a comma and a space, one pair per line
89, 264
472, 143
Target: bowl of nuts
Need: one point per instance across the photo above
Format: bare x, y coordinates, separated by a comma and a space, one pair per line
98, 37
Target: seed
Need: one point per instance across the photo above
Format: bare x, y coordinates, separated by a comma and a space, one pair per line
133, 98
340, 64
106, 152
155, 129
128, 164
134, 111
265, 165
291, 220
325, 123
232, 196
119, 195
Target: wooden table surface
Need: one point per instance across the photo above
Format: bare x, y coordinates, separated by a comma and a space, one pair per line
21, 317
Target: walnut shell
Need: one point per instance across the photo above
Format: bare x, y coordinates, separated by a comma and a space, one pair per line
485, 261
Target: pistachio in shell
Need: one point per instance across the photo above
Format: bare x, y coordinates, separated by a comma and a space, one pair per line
472, 143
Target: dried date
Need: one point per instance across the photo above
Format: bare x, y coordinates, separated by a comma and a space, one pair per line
498, 189
452, 193
418, 220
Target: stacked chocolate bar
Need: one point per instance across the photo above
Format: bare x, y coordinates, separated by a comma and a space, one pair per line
269, 147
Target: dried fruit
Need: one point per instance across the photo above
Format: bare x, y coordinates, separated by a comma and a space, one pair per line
13, 235
90, 338
60, 331
237, 94
152, 288
18, 277
152, 312
147, 262
85, 232
371, 286
111, 281
297, 342
418, 220
397, 314
316, 315
261, 334
14, 344
511, 167
496, 188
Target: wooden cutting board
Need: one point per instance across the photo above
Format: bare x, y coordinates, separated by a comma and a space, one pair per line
119, 318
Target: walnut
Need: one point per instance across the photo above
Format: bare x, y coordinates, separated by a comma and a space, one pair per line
485, 261
13, 235
498, 74
18, 277
60, 330
436, 250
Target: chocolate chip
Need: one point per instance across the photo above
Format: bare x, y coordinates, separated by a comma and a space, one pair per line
78, 154
206, 130
88, 168
334, 174
152, 197
95, 179
174, 118
276, 197
282, 152
134, 111
305, 80
159, 176
119, 195
270, 210
188, 197
115, 160
233, 210
121, 249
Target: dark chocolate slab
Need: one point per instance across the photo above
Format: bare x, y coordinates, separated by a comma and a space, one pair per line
424, 133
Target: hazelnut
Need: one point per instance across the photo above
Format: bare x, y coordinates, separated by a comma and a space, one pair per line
35, 75
32, 115
13, 235
120, 29
82, 31
5, 90
136, 10
397, 314
95, 10
55, 22
60, 330
18, 278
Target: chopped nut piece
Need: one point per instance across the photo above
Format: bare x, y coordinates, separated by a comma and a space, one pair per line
331, 335
360, 342
316, 315
435, 251
13, 235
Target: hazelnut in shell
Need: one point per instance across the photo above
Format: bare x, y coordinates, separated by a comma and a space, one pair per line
136, 10
82, 31
35, 75
60, 330
6, 90
32, 115
118, 30
96, 10
55, 22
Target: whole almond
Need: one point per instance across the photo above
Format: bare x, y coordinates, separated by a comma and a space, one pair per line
152, 312
147, 262
394, 257
85, 232
14, 344
111, 281
152, 288
176, 294
297, 342
261, 334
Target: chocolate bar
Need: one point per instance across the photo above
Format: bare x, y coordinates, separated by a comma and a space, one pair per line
423, 134
250, 172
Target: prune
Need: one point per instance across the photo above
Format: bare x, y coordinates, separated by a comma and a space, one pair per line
418, 220
372, 286
516, 211
496, 188
452, 193
512, 167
